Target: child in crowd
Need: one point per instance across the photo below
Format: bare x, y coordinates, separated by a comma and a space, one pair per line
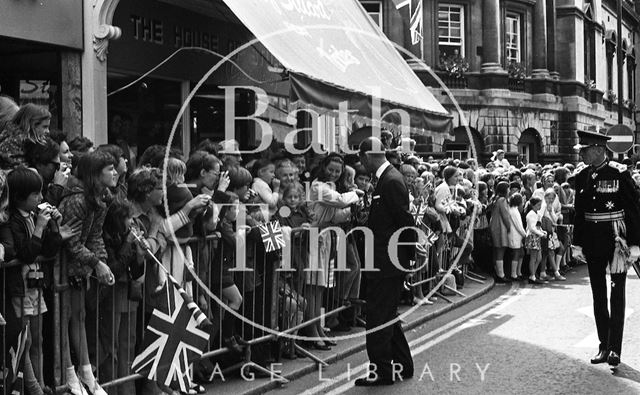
35, 234
266, 185
86, 254
348, 282
534, 235
516, 235
550, 220
295, 214
125, 257
178, 194
223, 279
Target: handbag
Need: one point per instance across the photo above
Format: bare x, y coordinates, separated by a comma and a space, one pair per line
554, 242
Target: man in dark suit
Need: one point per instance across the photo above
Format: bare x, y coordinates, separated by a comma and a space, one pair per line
607, 217
387, 347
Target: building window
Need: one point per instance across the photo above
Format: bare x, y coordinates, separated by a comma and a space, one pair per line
374, 9
513, 38
458, 151
451, 30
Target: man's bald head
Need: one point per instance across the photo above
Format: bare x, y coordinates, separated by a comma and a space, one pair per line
372, 146
372, 153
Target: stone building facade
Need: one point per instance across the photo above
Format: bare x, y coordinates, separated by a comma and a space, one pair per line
526, 74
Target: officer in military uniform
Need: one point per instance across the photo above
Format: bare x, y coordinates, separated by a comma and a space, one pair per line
607, 216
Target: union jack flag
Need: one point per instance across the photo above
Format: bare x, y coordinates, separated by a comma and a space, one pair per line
417, 213
432, 237
173, 340
12, 376
415, 18
272, 237
415, 26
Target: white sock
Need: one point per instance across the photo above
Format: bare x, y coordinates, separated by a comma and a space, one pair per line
87, 375
500, 268
71, 375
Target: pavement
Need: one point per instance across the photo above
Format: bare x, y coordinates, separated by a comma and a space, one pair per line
291, 370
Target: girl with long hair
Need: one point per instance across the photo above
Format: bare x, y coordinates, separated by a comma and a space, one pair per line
85, 254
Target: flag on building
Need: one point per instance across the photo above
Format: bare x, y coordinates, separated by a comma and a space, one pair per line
415, 26
415, 18
173, 340
272, 237
11, 375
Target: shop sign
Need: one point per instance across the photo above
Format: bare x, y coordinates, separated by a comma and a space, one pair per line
152, 31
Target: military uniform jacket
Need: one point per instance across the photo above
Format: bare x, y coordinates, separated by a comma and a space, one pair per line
602, 194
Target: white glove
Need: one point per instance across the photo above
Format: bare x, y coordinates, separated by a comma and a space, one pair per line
578, 254
634, 253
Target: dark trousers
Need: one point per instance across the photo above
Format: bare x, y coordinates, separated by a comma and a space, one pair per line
609, 325
387, 345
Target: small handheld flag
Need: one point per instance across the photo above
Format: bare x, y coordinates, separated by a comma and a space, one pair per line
272, 237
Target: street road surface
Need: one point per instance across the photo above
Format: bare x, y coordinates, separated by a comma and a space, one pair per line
517, 339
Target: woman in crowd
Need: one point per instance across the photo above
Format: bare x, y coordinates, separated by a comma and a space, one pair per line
8, 109
500, 224
31, 122
330, 208
516, 235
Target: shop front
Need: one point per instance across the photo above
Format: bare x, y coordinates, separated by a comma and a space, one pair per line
167, 50
302, 74
42, 65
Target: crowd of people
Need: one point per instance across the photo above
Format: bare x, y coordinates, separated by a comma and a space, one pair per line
104, 218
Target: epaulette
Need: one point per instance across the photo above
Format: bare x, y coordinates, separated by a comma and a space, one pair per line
618, 166
580, 168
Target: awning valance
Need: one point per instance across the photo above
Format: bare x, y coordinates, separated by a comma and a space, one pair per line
334, 52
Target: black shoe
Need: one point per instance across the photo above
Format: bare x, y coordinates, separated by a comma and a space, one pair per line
365, 382
536, 282
232, 344
601, 357
614, 359
501, 280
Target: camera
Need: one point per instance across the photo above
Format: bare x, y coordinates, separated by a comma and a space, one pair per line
35, 279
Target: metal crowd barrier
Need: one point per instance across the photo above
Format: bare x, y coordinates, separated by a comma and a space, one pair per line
297, 302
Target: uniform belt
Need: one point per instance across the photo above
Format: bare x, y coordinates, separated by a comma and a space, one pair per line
604, 217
